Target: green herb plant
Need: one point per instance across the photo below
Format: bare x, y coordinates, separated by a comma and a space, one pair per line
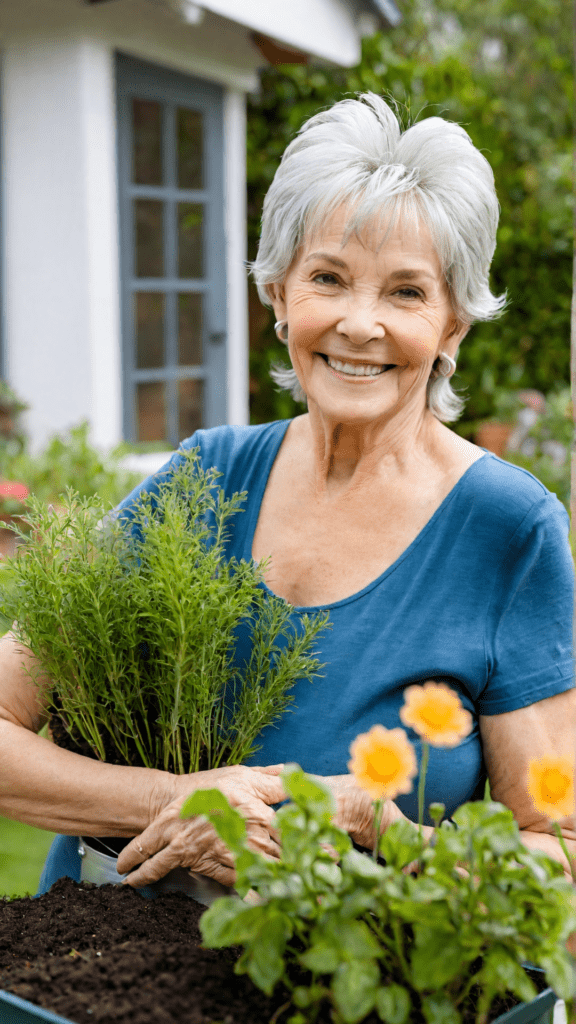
330, 925
135, 618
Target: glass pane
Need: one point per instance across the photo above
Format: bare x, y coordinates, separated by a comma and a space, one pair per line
189, 407
147, 142
149, 220
190, 262
151, 412
189, 330
149, 321
189, 148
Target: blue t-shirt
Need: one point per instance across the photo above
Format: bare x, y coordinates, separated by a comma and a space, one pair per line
481, 599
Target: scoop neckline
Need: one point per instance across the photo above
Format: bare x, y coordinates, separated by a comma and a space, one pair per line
327, 606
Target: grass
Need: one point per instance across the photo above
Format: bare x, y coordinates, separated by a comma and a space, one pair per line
23, 850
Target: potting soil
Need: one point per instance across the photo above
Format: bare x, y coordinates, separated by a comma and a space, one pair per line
104, 954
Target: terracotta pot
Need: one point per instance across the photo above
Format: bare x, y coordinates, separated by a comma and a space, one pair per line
494, 437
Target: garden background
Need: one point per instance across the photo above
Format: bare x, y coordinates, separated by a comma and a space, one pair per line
504, 71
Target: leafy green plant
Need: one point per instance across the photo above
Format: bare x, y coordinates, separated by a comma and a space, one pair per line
135, 619
368, 936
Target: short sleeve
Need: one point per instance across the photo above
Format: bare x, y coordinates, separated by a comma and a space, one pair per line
529, 629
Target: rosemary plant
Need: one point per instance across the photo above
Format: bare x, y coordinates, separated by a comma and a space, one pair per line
134, 619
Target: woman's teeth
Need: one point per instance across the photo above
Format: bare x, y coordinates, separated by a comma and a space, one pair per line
357, 370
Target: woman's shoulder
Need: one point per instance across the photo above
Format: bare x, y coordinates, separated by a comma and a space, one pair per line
510, 496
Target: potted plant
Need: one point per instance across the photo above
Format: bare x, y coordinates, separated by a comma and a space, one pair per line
138, 619
433, 934
428, 930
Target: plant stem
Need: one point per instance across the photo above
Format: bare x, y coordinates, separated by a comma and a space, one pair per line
378, 813
565, 850
422, 784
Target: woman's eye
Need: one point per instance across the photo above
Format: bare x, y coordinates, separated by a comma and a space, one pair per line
408, 293
325, 279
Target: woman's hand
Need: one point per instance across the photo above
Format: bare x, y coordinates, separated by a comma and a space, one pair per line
355, 809
171, 842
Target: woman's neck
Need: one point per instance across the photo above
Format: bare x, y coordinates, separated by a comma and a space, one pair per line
346, 454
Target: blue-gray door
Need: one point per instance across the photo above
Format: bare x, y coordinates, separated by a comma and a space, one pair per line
171, 188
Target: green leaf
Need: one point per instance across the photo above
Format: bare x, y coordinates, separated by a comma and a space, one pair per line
437, 958
354, 988
229, 922
400, 844
321, 958
560, 972
228, 823
328, 872
304, 996
265, 960
356, 940
307, 793
503, 972
393, 1004
440, 1010
491, 824
362, 866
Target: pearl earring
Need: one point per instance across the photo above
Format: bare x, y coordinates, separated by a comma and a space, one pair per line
279, 330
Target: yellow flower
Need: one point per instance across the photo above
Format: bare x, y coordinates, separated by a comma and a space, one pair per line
434, 711
383, 762
551, 786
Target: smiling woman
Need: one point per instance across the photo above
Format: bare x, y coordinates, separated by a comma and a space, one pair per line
437, 560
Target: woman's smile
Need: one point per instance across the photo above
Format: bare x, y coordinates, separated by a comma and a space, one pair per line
354, 372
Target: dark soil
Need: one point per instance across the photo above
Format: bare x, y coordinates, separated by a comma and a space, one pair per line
107, 955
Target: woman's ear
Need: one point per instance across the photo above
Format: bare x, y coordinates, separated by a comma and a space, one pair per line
276, 295
457, 333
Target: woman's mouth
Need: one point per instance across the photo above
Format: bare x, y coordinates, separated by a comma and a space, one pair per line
356, 369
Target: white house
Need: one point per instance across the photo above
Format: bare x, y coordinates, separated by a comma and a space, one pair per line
123, 289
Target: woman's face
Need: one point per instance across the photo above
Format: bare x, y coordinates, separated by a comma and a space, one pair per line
366, 321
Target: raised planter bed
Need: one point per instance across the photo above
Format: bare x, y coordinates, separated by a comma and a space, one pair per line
86, 954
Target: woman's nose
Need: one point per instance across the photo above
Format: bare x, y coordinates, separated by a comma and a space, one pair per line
362, 322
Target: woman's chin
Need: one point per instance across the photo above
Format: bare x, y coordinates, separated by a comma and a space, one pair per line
356, 402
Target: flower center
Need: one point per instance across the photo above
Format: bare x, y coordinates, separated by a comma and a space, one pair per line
383, 766
554, 785
436, 715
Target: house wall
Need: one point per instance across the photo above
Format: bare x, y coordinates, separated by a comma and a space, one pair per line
61, 280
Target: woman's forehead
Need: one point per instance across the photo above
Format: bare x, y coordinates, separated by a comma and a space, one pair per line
390, 232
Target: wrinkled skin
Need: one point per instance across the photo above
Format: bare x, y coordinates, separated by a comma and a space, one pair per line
171, 842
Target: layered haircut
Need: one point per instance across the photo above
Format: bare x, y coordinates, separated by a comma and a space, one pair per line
356, 154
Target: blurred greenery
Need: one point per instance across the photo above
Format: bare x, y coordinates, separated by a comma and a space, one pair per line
68, 460
504, 71
23, 851
552, 430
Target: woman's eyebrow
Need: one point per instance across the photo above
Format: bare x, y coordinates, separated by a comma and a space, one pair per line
326, 256
409, 274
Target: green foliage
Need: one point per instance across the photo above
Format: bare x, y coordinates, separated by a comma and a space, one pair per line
135, 624
554, 425
366, 936
505, 73
68, 460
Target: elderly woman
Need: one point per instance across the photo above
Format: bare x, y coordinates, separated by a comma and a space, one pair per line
436, 559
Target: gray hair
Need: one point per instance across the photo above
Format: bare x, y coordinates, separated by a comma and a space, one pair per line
356, 153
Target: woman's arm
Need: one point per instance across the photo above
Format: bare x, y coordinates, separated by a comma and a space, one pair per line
510, 741
55, 789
